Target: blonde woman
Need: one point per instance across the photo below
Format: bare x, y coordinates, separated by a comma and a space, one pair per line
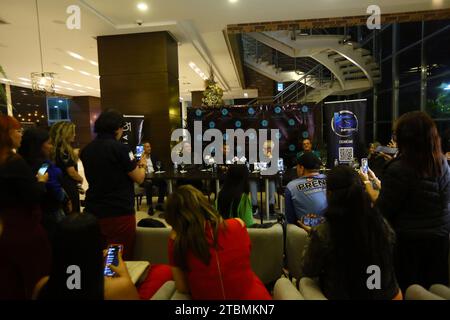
63, 135
210, 257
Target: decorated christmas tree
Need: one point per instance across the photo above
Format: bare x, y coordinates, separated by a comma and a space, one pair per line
212, 96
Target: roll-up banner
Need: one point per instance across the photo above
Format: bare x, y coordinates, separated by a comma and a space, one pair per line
345, 122
132, 130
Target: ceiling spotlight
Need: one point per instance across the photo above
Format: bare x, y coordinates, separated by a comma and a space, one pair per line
60, 101
233, 1
68, 68
85, 73
24, 79
93, 63
142, 6
246, 94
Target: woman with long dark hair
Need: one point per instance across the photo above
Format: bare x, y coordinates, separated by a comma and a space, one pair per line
36, 149
234, 200
354, 237
24, 247
210, 257
415, 198
78, 247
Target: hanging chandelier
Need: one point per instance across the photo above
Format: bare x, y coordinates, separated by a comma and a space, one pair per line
43, 82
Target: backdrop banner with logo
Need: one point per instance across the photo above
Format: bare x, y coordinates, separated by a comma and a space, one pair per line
345, 122
295, 122
132, 131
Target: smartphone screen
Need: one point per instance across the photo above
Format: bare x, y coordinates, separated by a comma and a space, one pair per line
43, 169
364, 165
139, 151
112, 257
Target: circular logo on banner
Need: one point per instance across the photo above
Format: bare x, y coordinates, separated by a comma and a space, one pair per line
344, 123
277, 110
212, 124
291, 147
238, 124
305, 134
251, 111
291, 122
305, 109
198, 113
264, 123
224, 112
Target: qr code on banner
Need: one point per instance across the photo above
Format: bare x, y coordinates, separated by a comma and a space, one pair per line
345, 154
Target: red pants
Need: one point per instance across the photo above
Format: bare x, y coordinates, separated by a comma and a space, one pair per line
120, 230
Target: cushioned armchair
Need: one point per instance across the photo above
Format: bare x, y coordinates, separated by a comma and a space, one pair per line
296, 239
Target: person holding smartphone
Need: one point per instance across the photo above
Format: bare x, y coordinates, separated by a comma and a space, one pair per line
36, 149
24, 246
78, 242
354, 236
111, 171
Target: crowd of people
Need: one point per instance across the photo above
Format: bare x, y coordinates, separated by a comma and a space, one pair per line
395, 216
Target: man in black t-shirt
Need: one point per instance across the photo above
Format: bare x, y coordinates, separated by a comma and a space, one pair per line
111, 170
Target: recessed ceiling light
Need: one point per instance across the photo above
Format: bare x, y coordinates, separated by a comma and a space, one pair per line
25, 84
68, 68
233, 1
93, 63
77, 85
5, 80
64, 81
81, 91
90, 88
142, 6
96, 77
60, 101
70, 89
75, 55
85, 73
246, 94
24, 79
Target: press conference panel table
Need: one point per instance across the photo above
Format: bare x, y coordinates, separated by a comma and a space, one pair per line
195, 174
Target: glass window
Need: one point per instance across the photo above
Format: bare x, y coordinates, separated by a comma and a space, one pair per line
409, 65
438, 97
386, 42
409, 33
58, 109
409, 98
433, 26
386, 75
384, 108
437, 50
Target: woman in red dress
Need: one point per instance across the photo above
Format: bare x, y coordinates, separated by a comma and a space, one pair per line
210, 257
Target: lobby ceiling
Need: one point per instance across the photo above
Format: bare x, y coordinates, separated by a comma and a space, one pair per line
197, 25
